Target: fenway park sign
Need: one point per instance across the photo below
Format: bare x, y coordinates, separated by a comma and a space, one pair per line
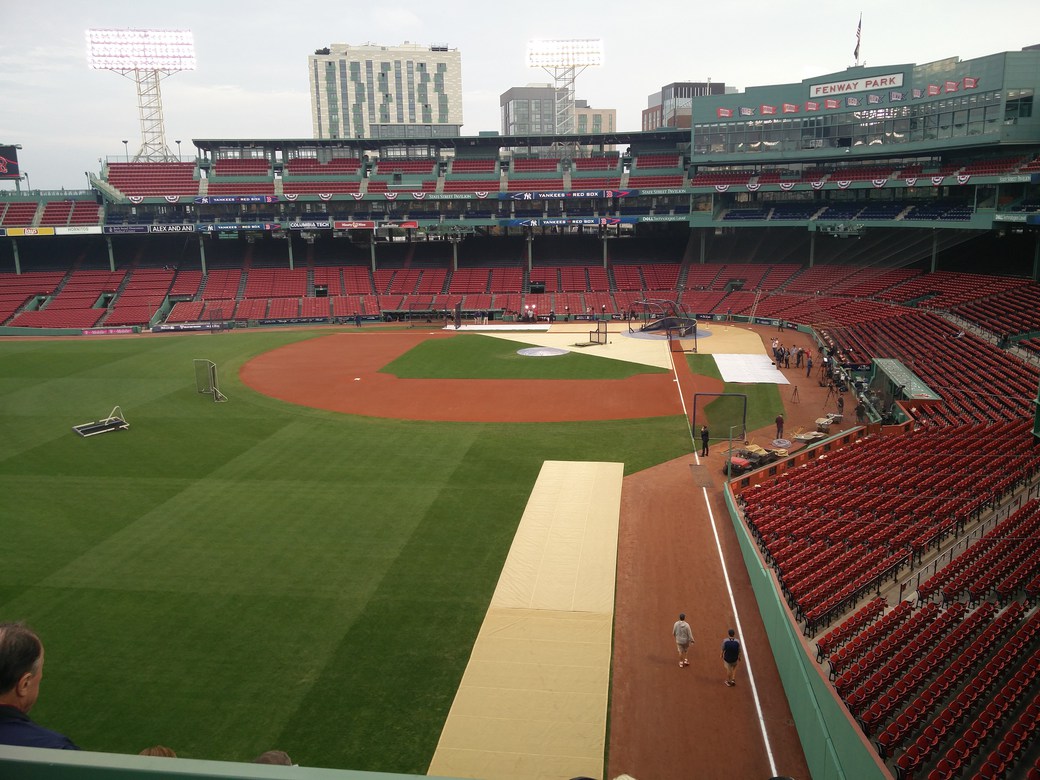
864, 84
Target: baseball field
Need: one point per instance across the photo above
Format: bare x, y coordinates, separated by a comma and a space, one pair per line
227, 578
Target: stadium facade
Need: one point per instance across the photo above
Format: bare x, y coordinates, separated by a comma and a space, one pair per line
889, 110
369, 91
891, 155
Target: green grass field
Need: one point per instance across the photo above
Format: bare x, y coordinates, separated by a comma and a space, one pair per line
229, 578
763, 403
485, 357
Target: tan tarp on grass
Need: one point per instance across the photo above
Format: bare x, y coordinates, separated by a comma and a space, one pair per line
533, 699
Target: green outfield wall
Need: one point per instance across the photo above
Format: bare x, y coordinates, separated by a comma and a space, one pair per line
834, 746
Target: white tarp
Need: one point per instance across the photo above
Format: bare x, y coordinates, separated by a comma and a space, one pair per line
753, 369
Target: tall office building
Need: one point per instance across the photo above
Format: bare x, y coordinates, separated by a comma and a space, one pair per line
406, 91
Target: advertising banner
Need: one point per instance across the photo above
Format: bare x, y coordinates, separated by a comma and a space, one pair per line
561, 195
223, 227
209, 199
114, 230
78, 230
310, 224
107, 331
570, 221
30, 231
171, 228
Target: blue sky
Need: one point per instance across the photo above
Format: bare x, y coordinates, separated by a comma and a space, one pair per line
251, 80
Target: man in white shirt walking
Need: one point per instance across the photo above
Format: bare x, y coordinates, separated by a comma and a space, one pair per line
683, 639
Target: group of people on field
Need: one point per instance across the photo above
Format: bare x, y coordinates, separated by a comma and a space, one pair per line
730, 648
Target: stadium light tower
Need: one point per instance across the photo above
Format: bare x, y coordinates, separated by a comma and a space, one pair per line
564, 59
147, 57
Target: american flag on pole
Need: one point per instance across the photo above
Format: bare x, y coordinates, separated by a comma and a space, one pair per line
859, 35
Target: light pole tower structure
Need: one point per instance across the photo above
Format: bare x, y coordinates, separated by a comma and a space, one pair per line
146, 57
564, 59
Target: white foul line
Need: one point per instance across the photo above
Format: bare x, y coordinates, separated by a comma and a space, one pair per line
740, 634
682, 401
729, 587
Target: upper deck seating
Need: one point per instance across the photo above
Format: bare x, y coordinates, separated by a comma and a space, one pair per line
154, 178
653, 182
56, 212
595, 163
650, 161
337, 166
711, 178
472, 185
332, 187
84, 212
407, 167
18, 213
474, 165
535, 165
238, 167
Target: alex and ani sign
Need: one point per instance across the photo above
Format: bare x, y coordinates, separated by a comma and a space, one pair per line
864, 84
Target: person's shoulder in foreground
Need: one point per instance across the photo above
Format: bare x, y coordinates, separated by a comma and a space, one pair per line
21, 669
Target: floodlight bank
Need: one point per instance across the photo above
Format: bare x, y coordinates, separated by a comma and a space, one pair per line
139, 49
564, 53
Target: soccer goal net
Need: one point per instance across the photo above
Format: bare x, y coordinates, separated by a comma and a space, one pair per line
206, 380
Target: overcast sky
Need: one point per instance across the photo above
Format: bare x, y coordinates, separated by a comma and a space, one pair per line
251, 80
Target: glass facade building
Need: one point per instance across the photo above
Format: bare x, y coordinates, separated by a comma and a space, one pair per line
529, 110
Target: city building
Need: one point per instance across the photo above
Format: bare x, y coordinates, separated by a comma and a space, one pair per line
672, 105
529, 110
371, 91
593, 120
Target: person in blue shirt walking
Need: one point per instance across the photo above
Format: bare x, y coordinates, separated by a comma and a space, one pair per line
730, 657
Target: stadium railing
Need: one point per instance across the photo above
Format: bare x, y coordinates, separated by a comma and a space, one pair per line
17, 763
